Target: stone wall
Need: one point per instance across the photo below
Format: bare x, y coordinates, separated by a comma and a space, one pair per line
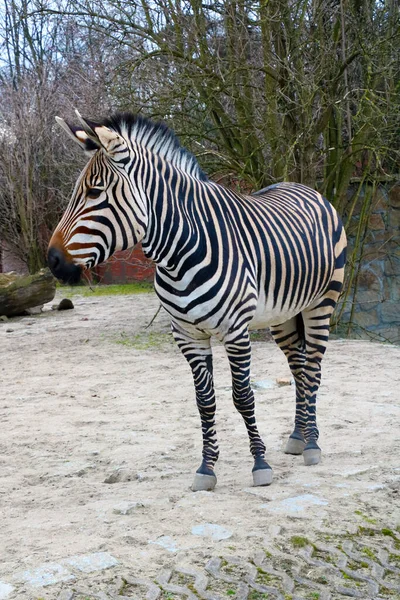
376, 301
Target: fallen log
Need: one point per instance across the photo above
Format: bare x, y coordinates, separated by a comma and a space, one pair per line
18, 293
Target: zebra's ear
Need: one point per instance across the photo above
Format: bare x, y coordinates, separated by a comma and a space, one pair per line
79, 135
110, 141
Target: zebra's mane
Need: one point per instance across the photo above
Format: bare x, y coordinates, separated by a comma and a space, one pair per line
157, 137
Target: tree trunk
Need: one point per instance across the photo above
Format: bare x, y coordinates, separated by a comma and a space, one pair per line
18, 293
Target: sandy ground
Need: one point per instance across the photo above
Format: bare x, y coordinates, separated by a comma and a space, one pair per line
100, 438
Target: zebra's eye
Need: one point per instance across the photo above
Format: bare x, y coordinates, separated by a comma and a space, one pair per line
93, 193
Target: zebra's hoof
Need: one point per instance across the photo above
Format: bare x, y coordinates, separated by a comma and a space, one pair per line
203, 483
311, 454
262, 477
294, 445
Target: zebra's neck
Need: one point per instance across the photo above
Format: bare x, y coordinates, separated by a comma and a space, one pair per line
173, 229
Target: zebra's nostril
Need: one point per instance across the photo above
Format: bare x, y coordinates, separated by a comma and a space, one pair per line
54, 259
63, 269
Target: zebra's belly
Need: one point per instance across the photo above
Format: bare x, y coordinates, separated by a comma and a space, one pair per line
212, 318
266, 314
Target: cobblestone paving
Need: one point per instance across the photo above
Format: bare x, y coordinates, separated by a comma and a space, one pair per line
365, 565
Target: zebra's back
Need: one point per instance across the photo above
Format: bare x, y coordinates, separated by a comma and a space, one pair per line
267, 256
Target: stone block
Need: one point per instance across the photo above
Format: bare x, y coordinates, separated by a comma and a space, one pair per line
389, 334
383, 235
394, 219
368, 299
390, 312
376, 222
380, 203
213, 531
369, 280
365, 319
392, 266
394, 196
5, 590
89, 563
297, 505
394, 289
47, 574
374, 252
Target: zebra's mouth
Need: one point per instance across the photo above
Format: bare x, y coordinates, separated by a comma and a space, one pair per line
65, 271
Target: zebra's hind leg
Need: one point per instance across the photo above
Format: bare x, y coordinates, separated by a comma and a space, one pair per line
238, 349
289, 336
198, 354
316, 319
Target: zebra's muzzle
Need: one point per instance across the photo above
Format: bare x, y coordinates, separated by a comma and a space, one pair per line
61, 268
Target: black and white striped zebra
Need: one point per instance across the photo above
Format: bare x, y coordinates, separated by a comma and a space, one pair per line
225, 263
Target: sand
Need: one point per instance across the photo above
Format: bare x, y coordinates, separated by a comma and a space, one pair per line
100, 439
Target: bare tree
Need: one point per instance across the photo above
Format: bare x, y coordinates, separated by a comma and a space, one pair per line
49, 70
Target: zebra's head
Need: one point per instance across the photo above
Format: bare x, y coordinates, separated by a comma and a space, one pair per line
106, 212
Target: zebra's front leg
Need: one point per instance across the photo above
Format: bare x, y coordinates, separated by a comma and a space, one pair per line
198, 354
238, 348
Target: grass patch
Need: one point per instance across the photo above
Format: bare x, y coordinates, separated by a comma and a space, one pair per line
264, 578
299, 542
260, 335
395, 559
145, 341
354, 565
366, 531
384, 591
365, 517
369, 552
126, 289
390, 533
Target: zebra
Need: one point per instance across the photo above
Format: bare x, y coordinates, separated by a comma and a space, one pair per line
224, 263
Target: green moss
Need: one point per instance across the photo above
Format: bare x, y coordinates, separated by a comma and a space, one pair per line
389, 532
324, 556
254, 595
299, 542
263, 577
369, 552
191, 587
230, 593
355, 566
366, 531
394, 558
384, 591
365, 517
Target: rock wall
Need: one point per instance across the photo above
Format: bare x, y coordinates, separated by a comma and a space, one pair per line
374, 308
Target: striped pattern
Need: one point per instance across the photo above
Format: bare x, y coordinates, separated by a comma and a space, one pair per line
225, 263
